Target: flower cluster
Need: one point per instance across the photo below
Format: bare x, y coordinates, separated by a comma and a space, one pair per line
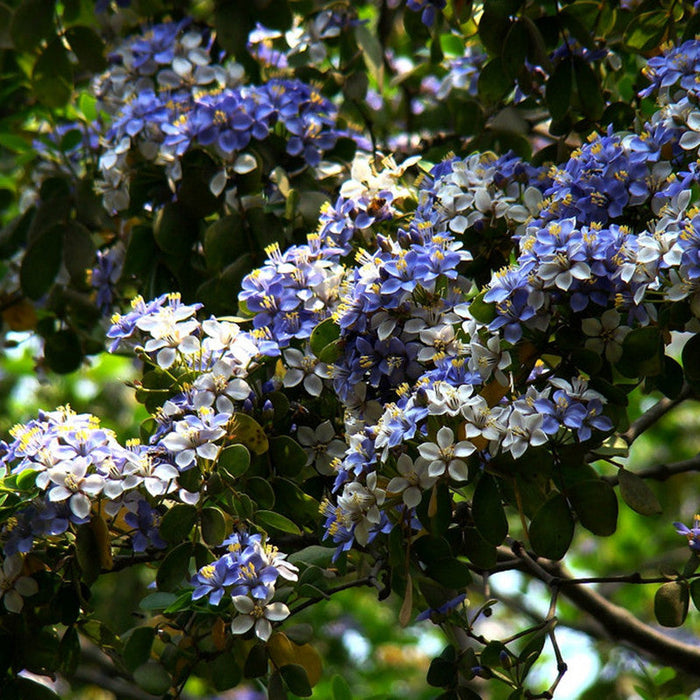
247, 572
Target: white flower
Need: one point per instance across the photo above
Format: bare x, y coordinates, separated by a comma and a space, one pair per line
443, 454
489, 360
413, 481
259, 613
321, 446
304, 367
605, 334
13, 587
73, 484
523, 431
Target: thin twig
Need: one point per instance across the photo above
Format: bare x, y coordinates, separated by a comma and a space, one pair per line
661, 472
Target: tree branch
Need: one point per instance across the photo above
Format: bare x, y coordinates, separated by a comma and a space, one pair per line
618, 623
661, 472
655, 413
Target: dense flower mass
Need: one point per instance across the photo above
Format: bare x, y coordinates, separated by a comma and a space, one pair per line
406, 367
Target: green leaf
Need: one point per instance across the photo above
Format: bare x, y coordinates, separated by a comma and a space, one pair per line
69, 651
487, 510
33, 21
481, 310
642, 353
646, 30
313, 555
41, 262
450, 572
88, 47
296, 680
25, 689
261, 491
275, 521
691, 359
248, 432
480, 552
174, 230
493, 83
636, 493
78, 252
552, 528
153, 678
588, 88
531, 653
493, 26
177, 523
287, 455
137, 649
341, 689
372, 52
695, 592
324, 334
234, 460
225, 671
558, 89
213, 526
63, 351
595, 503
224, 241
514, 49
157, 601
174, 569
671, 603
256, 662
87, 553
275, 687
52, 76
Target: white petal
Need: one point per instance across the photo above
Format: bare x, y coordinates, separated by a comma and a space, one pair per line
263, 629
241, 624
276, 612
243, 604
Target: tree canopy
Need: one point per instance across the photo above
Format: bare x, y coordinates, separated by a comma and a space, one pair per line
409, 294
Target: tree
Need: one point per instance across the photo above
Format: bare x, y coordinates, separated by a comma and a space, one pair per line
396, 276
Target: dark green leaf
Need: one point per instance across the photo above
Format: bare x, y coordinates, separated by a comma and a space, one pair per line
88, 47
296, 680
493, 26
41, 262
25, 689
588, 88
213, 526
157, 601
87, 553
69, 651
224, 241
78, 252
514, 49
152, 678
225, 671
642, 353
256, 663
481, 310
288, 457
275, 687
691, 359
636, 493
234, 460
695, 592
487, 510
493, 83
52, 76
531, 653
646, 30
174, 230
479, 551
137, 650
558, 89
552, 528
671, 603
32, 22
174, 569
177, 523
63, 351
450, 572
260, 490
595, 503
275, 521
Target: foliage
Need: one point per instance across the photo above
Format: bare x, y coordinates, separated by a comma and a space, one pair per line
406, 372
